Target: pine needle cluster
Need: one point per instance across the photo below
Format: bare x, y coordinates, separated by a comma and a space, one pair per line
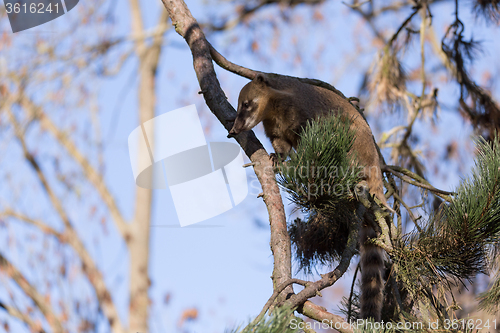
454, 244
320, 177
489, 9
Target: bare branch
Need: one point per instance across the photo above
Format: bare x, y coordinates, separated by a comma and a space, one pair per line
242, 15
247, 11
89, 171
408, 209
273, 297
405, 22
40, 225
250, 74
188, 28
400, 173
34, 327
368, 17
44, 306
88, 265
321, 315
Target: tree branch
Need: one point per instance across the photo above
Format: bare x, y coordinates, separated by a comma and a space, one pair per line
321, 315
32, 293
34, 327
188, 28
273, 297
419, 181
89, 171
88, 265
365, 199
246, 11
250, 73
40, 225
408, 19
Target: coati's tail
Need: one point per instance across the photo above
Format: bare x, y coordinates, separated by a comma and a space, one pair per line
372, 264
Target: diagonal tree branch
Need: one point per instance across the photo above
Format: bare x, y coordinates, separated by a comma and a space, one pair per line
251, 73
40, 225
88, 265
188, 28
89, 171
32, 293
419, 181
273, 297
34, 327
321, 315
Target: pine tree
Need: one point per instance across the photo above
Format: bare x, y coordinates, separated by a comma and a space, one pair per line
457, 241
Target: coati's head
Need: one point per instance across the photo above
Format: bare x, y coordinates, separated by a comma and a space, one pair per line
252, 104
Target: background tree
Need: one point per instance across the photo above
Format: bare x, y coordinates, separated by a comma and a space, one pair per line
60, 186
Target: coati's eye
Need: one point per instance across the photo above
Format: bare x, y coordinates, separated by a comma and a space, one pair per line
245, 104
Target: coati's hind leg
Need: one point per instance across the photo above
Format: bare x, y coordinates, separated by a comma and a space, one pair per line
372, 265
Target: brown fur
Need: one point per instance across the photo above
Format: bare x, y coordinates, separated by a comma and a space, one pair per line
284, 105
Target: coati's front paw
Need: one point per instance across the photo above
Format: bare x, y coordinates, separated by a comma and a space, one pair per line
275, 159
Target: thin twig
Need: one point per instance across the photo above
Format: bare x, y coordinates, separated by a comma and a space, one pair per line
408, 209
89, 267
94, 177
408, 19
30, 291
16, 313
275, 294
351, 294
407, 179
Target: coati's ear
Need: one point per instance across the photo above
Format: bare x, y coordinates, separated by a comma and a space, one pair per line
261, 79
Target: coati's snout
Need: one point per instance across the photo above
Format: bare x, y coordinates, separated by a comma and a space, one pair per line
238, 127
244, 121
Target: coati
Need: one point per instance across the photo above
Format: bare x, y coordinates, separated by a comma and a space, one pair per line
284, 105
